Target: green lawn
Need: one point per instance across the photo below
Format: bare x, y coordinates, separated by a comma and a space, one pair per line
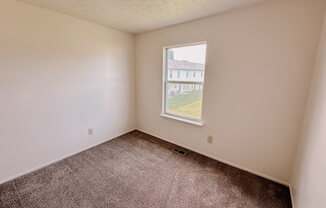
186, 104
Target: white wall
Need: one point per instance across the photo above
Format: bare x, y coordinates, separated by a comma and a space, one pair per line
308, 182
259, 66
59, 76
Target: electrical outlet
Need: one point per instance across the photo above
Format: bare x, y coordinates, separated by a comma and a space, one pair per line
210, 139
90, 131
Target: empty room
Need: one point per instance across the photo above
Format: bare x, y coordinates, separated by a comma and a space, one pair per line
162, 103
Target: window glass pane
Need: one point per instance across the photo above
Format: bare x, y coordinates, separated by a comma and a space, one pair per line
187, 63
184, 99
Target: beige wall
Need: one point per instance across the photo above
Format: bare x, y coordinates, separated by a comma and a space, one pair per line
259, 66
308, 182
59, 76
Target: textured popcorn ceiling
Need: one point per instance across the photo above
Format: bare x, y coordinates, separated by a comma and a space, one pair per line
140, 15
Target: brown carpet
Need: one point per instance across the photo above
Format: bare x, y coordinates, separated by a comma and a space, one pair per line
138, 170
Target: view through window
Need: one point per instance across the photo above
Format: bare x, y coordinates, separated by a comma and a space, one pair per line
185, 67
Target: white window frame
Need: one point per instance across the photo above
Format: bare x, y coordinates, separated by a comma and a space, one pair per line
165, 82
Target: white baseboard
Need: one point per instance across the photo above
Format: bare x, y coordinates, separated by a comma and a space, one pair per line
61, 158
190, 148
291, 194
222, 160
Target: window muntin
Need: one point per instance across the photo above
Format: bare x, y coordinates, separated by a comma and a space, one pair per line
183, 91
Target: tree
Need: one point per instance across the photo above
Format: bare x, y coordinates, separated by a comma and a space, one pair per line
170, 54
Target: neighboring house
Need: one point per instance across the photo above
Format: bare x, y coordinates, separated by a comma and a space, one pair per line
184, 71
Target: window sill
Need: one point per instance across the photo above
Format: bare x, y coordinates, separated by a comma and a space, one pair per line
197, 123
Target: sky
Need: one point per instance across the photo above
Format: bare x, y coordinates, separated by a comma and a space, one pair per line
194, 53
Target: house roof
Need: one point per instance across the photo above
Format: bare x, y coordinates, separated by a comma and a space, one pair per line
177, 64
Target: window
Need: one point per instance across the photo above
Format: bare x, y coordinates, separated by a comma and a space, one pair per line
185, 104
